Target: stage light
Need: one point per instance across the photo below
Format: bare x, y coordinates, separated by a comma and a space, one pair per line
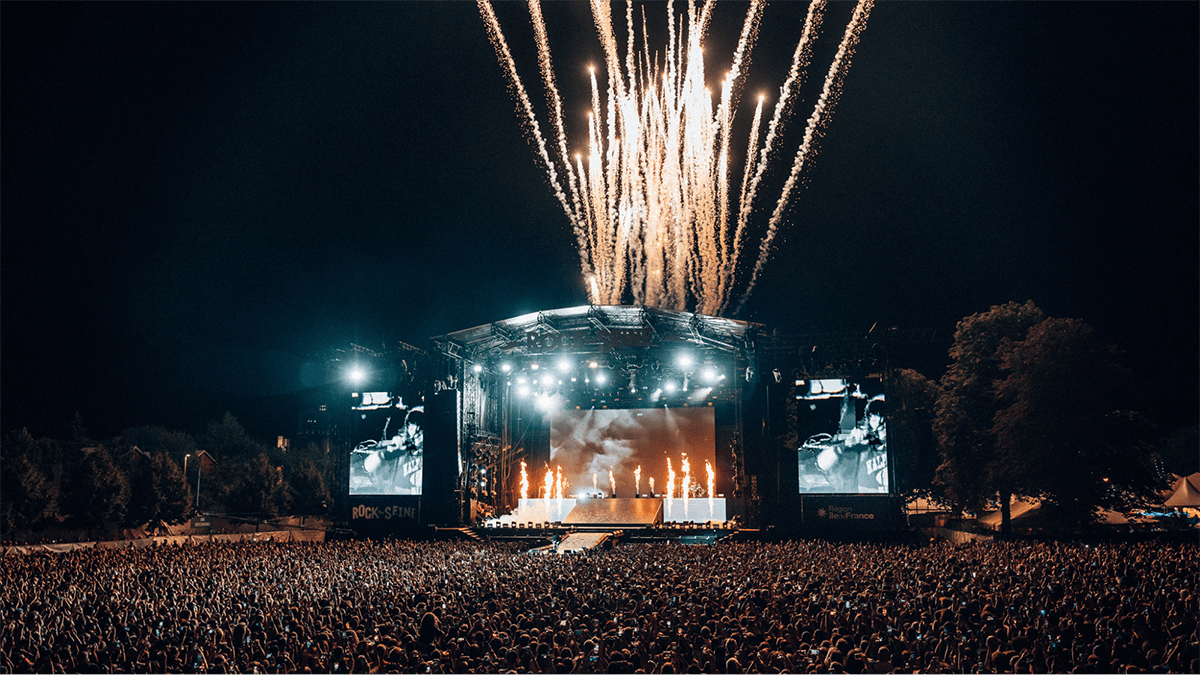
478, 368
521, 380
548, 381
669, 386
593, 365
357, 374
710, 375
601, 378
564, 365
684, 360
546, 403
534, 366
522, 391
505, 367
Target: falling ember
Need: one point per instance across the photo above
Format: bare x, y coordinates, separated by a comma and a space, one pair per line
612, 482
649, 199
687, 483
637, 481
524, 482
712, 480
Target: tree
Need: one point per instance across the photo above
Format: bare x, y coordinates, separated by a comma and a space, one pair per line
161, 493
311, 498
1064, 433
966, 406
25, 496
228, 440
911, 399
95, 491
259, 489
1179, 453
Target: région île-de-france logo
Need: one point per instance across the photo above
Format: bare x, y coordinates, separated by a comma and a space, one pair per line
843, 513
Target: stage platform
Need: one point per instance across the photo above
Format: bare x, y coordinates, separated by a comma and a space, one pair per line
645, 512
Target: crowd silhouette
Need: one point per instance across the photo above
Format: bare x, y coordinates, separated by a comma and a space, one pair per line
442, 607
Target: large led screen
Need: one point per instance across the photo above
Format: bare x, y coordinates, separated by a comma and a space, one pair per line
588, 444
390, 462
843, 437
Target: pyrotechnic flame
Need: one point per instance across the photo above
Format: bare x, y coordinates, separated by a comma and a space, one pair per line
612, 482
595, 487
637, 481
687, 483
549, 485
651, 205
524, 482
652, 486
711, 482
558, 485
670, 484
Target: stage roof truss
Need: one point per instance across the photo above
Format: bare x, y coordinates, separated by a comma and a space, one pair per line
597, 328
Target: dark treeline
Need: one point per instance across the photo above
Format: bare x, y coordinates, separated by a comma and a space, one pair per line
1032, 406
148, 476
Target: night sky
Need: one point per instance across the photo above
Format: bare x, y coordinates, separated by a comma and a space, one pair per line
199, 197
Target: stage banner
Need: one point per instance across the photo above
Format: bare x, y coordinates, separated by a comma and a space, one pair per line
849, 513
384, 515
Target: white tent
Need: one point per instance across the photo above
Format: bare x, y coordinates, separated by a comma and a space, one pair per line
1186, 492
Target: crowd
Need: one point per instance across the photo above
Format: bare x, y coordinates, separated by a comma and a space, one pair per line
417, 607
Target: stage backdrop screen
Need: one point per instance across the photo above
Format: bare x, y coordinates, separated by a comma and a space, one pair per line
843, 436
391, 458
588, 444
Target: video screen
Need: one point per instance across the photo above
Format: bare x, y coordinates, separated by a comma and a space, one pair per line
391, 459
843, 432
635, 446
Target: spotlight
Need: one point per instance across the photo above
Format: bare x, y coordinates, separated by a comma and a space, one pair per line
593, 365
534, 366
478, 368
601, 378
505, 367
669, 386
564, 365
548, 381
710, 375
522, 391
357, 374
684, 360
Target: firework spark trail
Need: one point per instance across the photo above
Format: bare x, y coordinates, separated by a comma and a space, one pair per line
650, 203
824, 105
556, 116
800, 59
501, 47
